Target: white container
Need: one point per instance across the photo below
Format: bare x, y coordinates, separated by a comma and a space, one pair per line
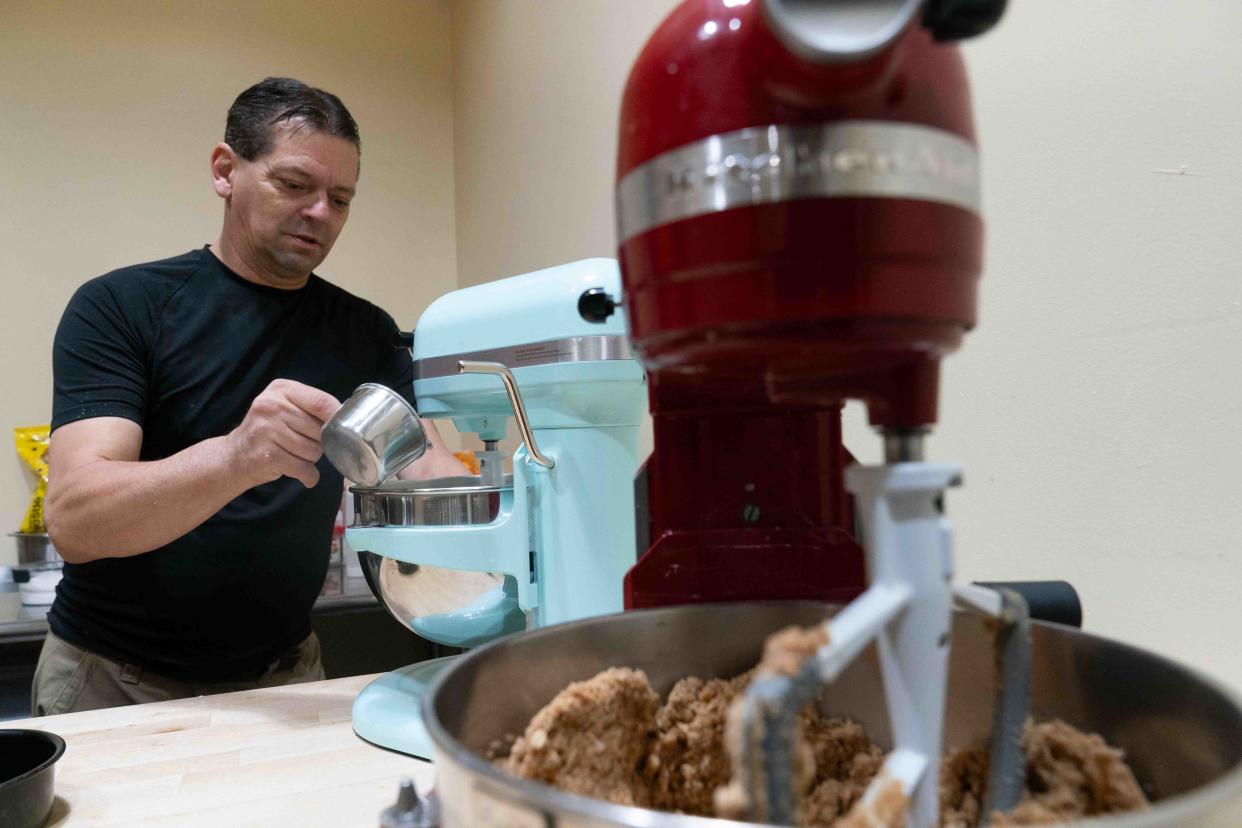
37, 587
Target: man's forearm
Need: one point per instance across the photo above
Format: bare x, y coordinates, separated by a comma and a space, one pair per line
118, 508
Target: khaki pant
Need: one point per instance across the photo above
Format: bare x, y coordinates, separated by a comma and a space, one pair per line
69, 679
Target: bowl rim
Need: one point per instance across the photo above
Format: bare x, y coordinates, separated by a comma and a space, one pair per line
427, 487
58, 745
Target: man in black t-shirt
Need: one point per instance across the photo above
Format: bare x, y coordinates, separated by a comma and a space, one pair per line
187, 491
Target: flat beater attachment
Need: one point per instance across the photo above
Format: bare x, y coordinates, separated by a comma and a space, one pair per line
907, 612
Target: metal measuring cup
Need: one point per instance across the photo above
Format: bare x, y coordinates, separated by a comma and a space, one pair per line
373, 435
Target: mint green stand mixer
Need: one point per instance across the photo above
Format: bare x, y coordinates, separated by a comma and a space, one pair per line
462, 561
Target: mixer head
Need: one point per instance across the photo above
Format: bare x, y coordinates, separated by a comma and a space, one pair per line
569, 370
798, 203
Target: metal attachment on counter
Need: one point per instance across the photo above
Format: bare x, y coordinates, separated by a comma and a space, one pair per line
411, 810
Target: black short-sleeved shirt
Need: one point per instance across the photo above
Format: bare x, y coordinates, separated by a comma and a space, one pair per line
182, 347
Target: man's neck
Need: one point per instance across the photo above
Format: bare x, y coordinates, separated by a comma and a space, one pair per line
236, 261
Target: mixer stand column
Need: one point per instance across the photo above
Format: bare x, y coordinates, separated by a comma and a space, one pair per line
909, 548
491, 463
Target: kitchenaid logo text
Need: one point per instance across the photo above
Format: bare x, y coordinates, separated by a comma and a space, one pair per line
779, 163
808, 161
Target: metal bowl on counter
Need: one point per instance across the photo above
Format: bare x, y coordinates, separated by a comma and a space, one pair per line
455, 607
35, 549
1181, 732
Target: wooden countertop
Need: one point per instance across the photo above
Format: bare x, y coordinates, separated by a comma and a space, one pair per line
281, 756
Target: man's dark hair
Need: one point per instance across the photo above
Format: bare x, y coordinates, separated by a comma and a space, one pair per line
284, 100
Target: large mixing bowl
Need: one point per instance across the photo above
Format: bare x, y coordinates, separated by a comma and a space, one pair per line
1181, 732
455, 607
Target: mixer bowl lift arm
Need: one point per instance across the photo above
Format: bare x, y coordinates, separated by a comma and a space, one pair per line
515, 399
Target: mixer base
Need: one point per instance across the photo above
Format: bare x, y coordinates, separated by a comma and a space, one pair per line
388, 712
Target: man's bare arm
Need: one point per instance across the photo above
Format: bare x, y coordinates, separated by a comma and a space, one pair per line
102, 502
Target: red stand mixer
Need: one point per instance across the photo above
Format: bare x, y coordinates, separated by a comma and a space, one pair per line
798, 224
798, 217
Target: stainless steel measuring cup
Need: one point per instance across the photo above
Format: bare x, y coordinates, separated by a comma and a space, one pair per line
373, 435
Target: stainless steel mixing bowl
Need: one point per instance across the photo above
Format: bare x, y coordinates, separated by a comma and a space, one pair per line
1182, 732
455, 607
439, 501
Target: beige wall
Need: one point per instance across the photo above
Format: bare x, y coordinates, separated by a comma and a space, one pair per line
109, 110
1096, 409
536, 92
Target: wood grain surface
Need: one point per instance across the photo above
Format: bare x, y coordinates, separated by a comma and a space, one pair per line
283, 756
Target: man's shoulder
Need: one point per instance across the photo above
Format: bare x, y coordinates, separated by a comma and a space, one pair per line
347, 303
152, 280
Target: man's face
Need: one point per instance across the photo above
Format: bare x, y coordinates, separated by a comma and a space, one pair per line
286, 208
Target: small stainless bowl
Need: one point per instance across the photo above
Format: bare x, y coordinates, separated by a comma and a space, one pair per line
373, 435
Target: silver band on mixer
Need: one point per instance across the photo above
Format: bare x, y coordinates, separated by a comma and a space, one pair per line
765, 165
549, 352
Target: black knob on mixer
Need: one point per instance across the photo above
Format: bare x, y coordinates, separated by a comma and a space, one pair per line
596, 305
401, 339
960, 19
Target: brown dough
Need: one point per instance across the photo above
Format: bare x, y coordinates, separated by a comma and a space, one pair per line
886, 810
963, 780
784, 653
687, 762
592, 738
786, 650
1071, 775
845, 762
610, 738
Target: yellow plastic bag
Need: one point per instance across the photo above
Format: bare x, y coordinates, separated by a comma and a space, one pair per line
32, 442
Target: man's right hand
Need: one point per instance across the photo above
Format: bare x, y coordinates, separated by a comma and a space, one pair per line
280, 434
